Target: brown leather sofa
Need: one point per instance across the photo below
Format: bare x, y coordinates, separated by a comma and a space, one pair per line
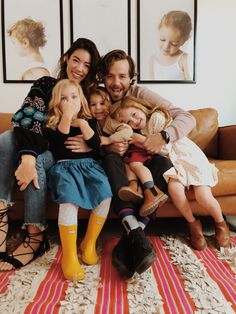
218, 143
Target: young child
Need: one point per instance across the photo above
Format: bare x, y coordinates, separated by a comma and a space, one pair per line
190, 168
28, 36
135, 157
77, 179
170, 62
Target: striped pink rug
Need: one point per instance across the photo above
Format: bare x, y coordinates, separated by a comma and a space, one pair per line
181, 280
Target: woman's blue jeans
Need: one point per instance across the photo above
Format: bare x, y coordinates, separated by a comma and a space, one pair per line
34, 199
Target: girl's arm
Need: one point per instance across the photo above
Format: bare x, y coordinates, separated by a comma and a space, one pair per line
185, 66
85, 128
89, 132
119, 132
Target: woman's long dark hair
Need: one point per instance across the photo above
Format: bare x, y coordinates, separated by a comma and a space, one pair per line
88, 45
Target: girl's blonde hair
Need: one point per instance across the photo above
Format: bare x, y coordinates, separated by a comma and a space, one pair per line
179, 20
104, 94
54, 113
141, 104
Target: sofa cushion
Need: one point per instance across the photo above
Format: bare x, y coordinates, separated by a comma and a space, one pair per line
205, 133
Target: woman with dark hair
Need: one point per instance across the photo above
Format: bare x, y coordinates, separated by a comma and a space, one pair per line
24, 155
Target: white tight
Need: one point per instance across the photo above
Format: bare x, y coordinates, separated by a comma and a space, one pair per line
68, 213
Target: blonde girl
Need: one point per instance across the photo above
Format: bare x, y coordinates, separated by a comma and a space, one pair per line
170, 62
77, 179
190, 168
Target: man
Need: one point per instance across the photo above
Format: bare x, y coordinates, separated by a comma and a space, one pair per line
134, 252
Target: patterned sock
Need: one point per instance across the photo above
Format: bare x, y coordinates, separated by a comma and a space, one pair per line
143, 221
128, 219
148, 185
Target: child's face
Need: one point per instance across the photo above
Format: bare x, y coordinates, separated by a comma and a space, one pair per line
18, 46
98, 107
134, 117
70, 95
170, 40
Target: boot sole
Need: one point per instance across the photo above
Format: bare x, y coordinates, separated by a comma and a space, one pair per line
146, 263
151, 208
130, 196
122, 270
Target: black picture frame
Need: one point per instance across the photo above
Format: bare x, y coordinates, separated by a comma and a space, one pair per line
106, 22
148, 39
20, 66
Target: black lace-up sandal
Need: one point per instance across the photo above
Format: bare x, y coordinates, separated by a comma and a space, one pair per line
3, 214
29, 239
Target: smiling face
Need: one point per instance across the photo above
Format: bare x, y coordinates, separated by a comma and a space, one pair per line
78, 65
98, 106
170, 40
134, 117
117, 80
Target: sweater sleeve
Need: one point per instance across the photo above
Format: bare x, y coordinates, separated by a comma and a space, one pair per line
183, 122
29, 121
94, 142
119, 132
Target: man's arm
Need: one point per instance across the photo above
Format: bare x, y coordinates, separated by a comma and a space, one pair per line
183, 122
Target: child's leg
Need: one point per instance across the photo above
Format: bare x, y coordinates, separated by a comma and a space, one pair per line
177, 194
132, 192
206, 199
96, 221
67, 222
153, 197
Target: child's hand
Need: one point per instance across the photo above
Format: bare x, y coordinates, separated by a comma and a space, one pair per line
137, 139
105, 140
69, 109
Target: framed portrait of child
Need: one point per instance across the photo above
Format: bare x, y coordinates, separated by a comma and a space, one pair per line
166, 40
32, 37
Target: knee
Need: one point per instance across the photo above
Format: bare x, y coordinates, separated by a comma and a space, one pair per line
7, 142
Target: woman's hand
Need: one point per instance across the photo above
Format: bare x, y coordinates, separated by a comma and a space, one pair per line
154, 143
77, 144
26, 172
119, 148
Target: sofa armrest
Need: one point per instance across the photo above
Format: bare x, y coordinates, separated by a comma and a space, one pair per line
227, 142
5, 121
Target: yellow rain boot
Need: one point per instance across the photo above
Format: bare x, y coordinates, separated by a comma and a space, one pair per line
70, 264
88, 245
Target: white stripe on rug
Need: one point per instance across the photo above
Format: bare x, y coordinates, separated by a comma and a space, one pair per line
205, 293
24, 283
143, 294
81, 296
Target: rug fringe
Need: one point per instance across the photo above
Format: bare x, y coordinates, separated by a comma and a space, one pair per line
202, 289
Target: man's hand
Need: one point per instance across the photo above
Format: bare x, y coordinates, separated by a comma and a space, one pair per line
118, 148
26, 172
77, 144
154, 143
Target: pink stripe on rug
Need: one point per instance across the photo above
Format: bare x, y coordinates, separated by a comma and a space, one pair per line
111, 297
51, 290
4, 280
170, 284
